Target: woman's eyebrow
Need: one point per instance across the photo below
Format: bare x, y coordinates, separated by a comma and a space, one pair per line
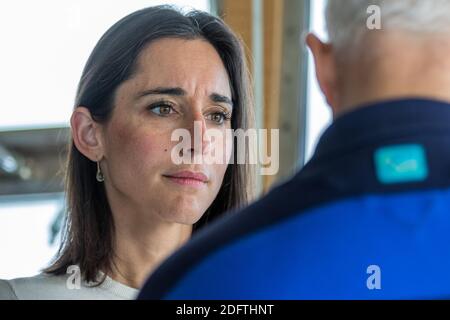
165, 91
215, 97
179, 92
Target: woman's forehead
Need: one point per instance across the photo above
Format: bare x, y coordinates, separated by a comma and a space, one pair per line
178, 63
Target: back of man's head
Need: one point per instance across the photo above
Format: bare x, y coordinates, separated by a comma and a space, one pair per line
347, 20
383, 49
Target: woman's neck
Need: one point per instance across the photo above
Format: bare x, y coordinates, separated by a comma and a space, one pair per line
139, 250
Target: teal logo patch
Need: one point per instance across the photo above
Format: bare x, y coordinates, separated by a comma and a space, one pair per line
402, 163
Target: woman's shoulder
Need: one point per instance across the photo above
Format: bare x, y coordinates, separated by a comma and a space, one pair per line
60, 287
6, 291
42, 286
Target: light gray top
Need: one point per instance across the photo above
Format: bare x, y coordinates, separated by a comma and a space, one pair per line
50, 287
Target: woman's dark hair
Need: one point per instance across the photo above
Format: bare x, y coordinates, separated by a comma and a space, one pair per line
88, 235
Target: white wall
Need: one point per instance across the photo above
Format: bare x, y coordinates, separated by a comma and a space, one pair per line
318, 112
44, 46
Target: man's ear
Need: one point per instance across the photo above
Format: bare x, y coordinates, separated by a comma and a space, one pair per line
87, 134
325, 62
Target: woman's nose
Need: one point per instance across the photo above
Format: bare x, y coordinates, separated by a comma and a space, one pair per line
199, 138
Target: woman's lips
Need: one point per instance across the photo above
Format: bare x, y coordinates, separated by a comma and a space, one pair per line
188, 178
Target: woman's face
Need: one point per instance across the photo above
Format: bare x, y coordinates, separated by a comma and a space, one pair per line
177, 82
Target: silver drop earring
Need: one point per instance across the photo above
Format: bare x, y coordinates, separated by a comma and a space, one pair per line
100, 177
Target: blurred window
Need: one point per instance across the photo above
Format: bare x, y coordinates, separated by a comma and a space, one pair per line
45, 45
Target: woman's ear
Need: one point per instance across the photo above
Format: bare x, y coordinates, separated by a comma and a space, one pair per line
325, 62
87, 134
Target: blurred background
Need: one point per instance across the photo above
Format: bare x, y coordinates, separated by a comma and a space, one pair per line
45, 45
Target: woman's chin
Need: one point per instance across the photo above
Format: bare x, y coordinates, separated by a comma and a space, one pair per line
183, 217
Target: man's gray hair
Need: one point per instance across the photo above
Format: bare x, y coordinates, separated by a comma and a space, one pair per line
347, 19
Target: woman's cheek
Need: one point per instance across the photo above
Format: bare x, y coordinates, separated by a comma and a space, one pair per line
228, 146
140, 148
221, 167
151, 150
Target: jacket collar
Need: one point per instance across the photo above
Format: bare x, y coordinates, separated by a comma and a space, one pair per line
381, 122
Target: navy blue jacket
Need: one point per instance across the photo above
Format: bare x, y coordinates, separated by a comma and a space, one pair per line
367, 218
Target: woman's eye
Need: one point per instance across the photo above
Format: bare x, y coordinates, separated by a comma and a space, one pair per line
162, 109
218, 117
